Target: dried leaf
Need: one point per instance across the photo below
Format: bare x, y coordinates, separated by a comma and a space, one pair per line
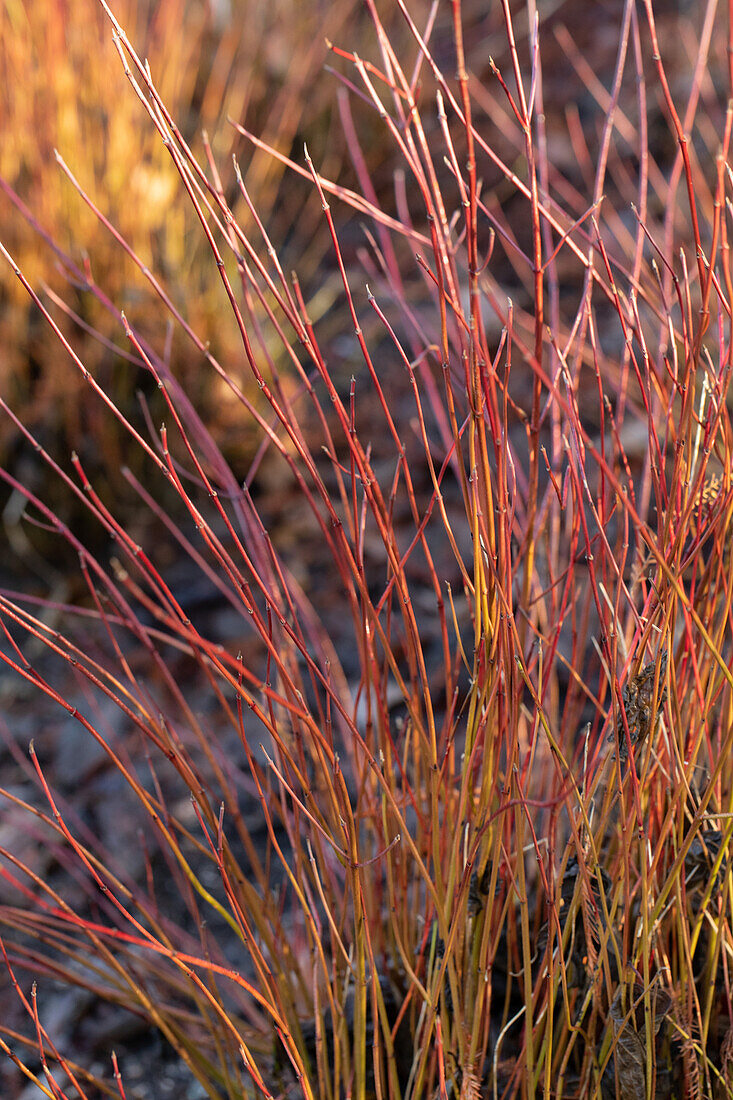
701, 857
585, 932
471, 1088
478, 890
627, 1068
641, 714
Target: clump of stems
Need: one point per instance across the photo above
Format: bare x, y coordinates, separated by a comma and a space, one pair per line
482, 706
